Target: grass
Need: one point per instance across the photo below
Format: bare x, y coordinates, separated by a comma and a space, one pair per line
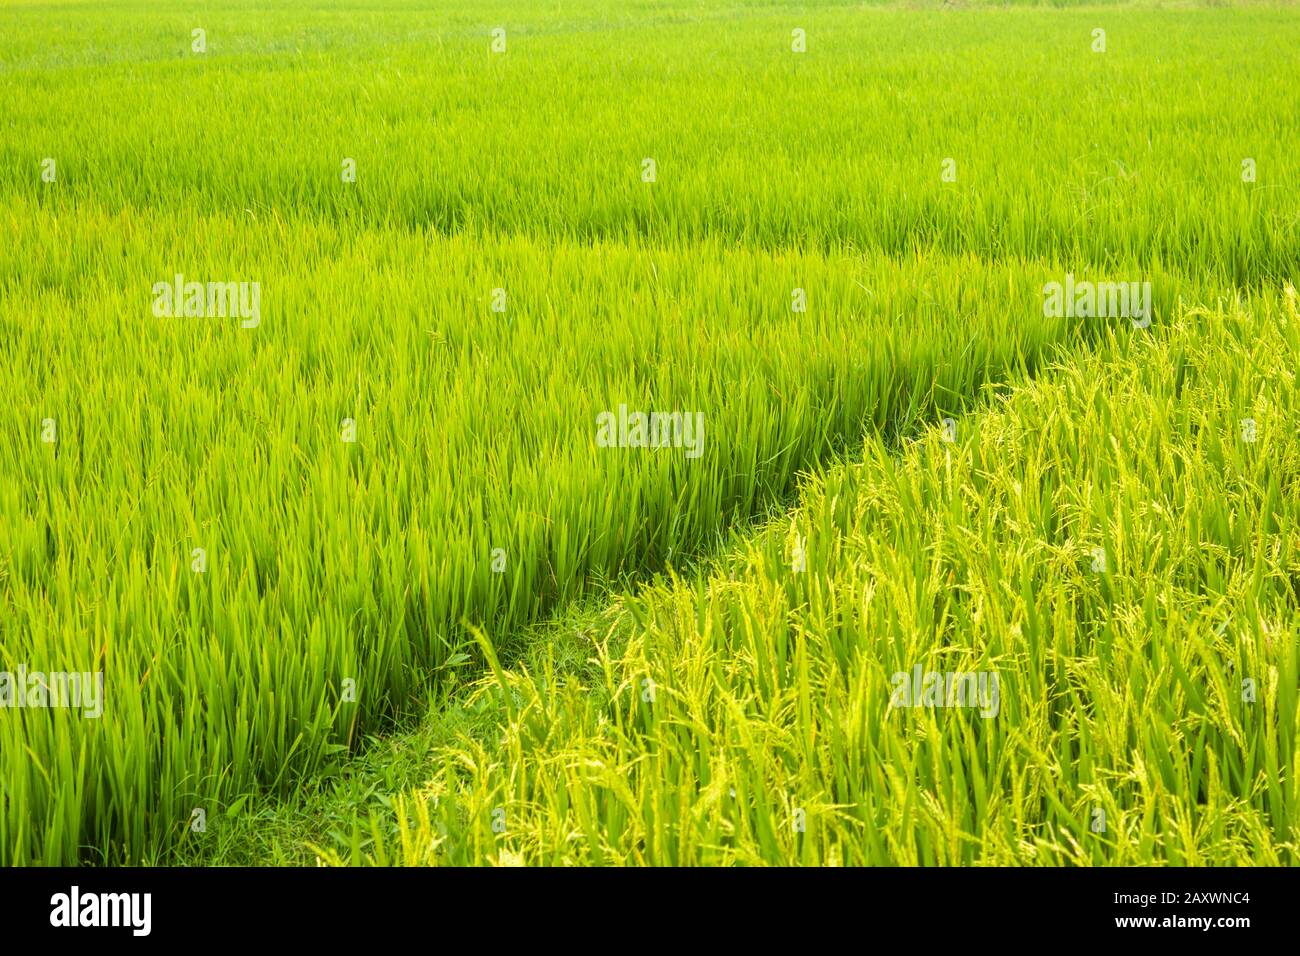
346, 586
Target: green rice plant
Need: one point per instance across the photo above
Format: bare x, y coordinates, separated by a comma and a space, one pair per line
276, 533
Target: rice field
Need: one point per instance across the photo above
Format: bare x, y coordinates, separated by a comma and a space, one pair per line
330, 327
